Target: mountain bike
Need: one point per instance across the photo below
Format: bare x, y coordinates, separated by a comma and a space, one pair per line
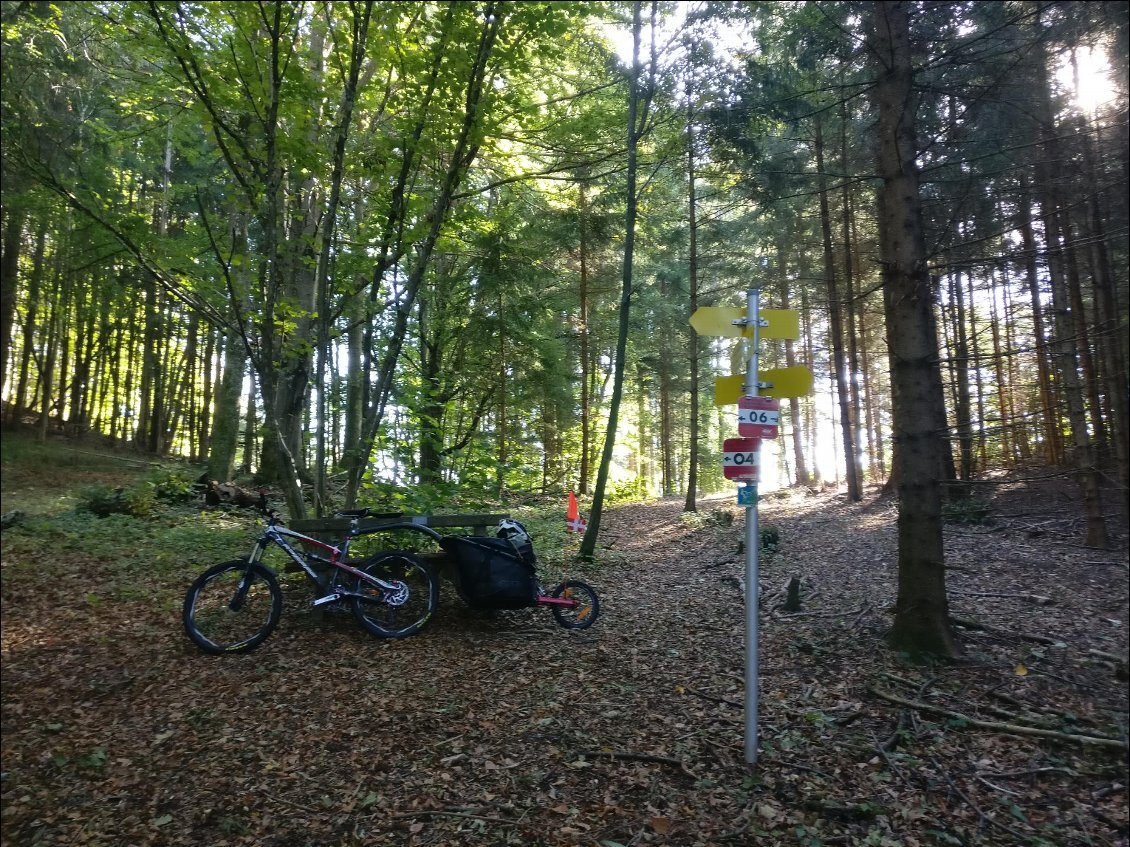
234, 606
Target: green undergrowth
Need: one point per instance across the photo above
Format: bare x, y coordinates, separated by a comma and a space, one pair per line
132, 528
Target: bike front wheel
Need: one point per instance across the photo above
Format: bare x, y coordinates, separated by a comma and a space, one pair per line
401, 609
582, 615
232, 607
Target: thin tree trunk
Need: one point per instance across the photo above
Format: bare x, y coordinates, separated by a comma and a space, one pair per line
503, 435
800, 464
1004, 400
849, 305
963, 407
694, 345
1053, 442
209, 382
637, 120
835, 311
980, 441
355, 382
30, 325
50, 355
812, 430
1065, 344
666, 422
1020, 428
583, 329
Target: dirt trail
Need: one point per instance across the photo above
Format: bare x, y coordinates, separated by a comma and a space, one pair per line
505, 729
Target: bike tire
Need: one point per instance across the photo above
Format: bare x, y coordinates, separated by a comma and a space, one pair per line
585, 614
210, 620
388, 616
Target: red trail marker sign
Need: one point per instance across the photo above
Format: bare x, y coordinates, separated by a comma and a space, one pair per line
741, 458
758, 417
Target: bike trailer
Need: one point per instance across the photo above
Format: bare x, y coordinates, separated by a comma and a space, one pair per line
492, 573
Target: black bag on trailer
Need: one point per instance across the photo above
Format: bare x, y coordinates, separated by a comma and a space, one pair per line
492, 573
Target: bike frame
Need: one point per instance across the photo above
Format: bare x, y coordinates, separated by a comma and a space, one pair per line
277, 534
547, 600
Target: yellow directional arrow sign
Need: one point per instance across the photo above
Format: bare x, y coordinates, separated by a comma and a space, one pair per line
783, 324
783, 382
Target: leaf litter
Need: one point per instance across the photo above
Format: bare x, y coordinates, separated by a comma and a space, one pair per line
504, 729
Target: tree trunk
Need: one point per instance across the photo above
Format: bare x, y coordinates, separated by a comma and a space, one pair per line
1065, 344
431, 407
963, 408
800, 464
250, 430
694, 346
9, 282
208, 382
586, 364
1053, 441
668, 483
501, 429
1110, 329
1004, 399
921, 623
835, 311
355, 379
637, 120
30, 325
849, 305
225, 433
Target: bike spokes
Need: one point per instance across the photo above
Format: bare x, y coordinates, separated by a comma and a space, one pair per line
583, 608
400, 601
232, 607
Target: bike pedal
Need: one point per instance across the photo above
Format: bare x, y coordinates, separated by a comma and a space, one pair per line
329, 598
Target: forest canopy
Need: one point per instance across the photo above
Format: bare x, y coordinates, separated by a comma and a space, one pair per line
353, 248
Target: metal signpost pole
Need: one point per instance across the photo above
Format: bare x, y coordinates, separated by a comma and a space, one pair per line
758, 418
752, 547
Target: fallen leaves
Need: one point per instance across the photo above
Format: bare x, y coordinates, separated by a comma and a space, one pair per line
631, 733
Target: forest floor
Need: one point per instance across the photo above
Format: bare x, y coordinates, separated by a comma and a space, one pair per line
507, 730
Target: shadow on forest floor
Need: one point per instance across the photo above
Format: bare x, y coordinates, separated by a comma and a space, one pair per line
505, 729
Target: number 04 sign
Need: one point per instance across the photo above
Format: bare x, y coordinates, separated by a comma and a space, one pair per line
741, 458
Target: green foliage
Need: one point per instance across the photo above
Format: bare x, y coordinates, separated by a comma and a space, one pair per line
103, 501
424, 499
141, 499
173, 484
632, 490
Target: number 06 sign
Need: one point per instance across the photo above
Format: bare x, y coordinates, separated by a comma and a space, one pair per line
741, 458
758, 417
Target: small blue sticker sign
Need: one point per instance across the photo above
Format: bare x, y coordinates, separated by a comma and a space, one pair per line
747, 495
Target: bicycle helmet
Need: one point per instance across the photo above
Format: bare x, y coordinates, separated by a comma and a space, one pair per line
514, 531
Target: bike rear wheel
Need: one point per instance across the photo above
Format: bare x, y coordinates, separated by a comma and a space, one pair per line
232, 607
587, 610
405, 609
